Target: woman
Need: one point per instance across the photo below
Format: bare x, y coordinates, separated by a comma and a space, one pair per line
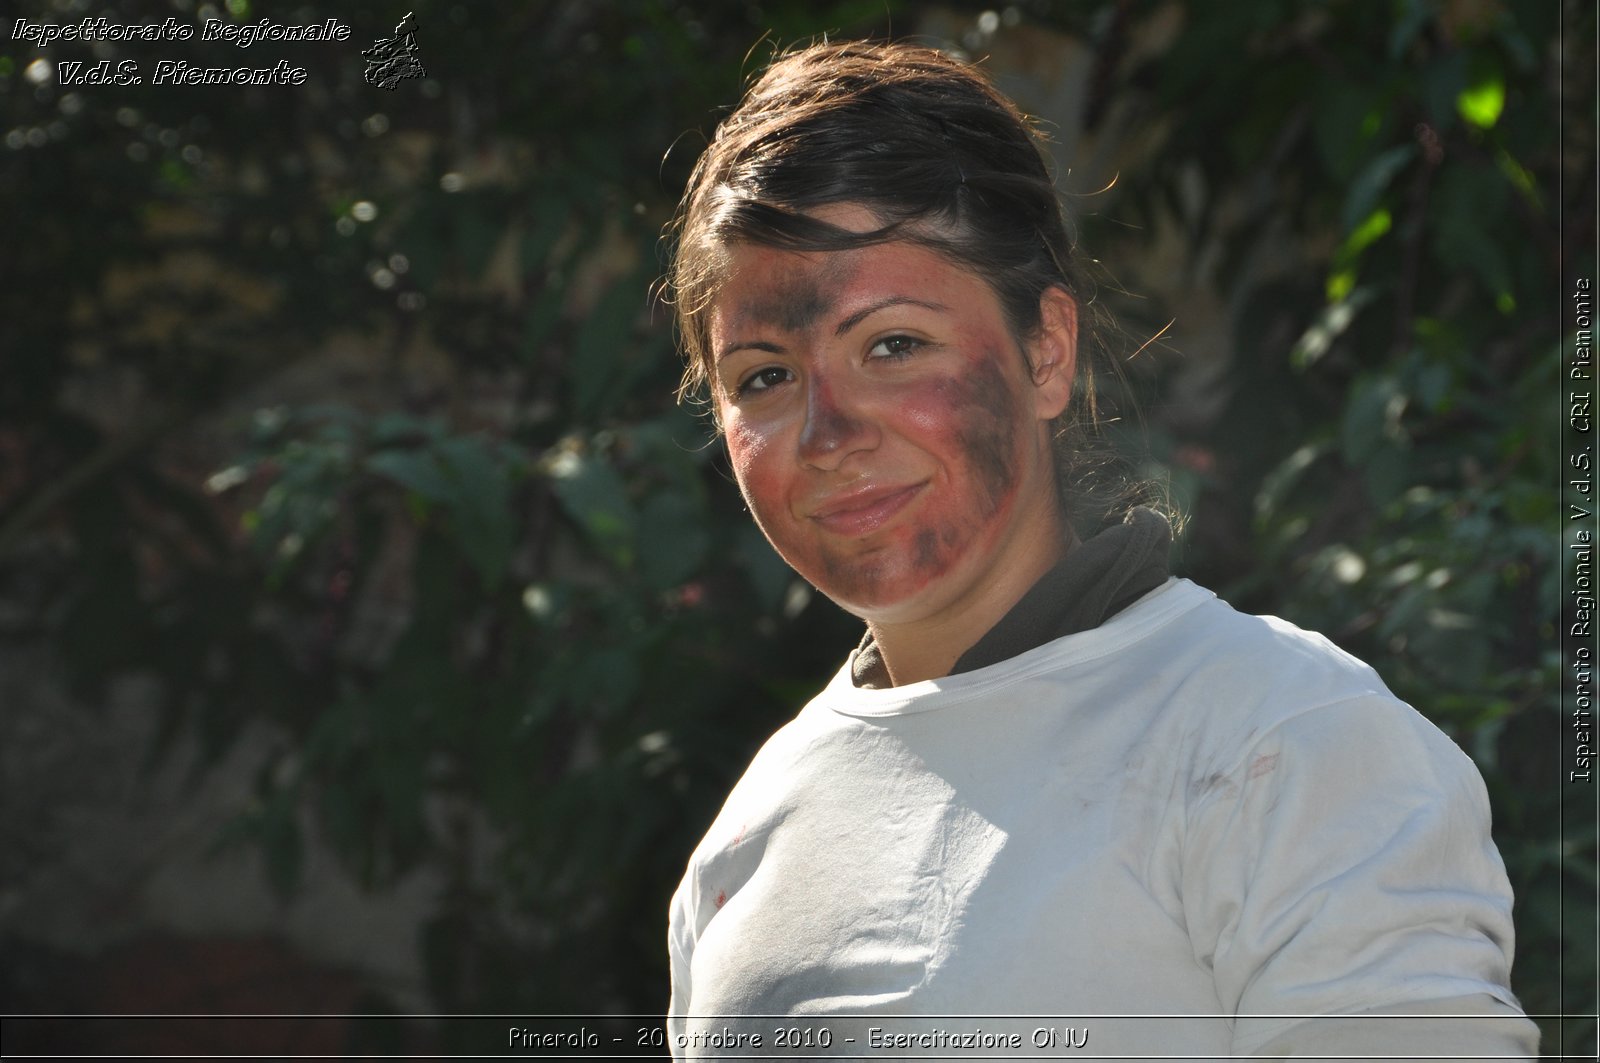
1052, 780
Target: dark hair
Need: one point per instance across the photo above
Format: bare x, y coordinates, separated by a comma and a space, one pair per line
938, 154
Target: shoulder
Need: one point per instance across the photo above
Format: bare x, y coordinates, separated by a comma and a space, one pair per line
1237, 701
1261, 653
1231, 678
1337, 852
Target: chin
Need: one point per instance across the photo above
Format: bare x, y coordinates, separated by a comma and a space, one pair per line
884, 602
889, 585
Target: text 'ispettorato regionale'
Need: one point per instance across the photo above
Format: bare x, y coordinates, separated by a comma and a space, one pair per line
178, 72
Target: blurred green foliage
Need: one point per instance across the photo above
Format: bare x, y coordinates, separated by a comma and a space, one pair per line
505, 618
1386, 230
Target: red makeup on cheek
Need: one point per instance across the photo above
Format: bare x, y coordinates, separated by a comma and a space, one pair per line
971, 423
757, 479
987, 414
947, 426
977, 415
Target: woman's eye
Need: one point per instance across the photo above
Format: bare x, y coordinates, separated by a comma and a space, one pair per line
762, 379
895, 347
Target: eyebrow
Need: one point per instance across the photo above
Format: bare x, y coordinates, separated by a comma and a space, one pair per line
894, 300
841, 328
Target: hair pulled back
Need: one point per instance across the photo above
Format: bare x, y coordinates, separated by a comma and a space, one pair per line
939, 155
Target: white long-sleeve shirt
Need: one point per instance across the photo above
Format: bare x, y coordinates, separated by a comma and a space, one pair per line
1184, 831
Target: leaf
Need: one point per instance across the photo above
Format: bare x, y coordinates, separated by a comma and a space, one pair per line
1466, 202
1371, 182
1372, 228
593, 494
479, 505
1330, 324
1442, 83
1371, 416
1520, 179
1414, 16
1484, 97
1278, 484
599, 352
677, 542
472, 484
1347, 119
1386, 473
415, 470
399, 429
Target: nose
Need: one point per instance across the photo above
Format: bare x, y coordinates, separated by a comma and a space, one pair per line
833, 429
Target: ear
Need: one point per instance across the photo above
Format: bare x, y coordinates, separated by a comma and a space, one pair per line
1055, 353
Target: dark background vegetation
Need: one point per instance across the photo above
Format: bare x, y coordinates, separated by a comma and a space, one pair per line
343, 416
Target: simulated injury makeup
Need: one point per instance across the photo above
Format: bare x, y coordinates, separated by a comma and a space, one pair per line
882, 423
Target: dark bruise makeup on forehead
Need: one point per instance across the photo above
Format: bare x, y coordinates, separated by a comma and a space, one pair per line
801, 310
800, 298
803, 299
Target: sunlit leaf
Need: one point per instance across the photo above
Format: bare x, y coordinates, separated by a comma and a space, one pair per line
1481, 102
1329, 325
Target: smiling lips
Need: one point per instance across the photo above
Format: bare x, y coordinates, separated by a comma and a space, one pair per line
862, 512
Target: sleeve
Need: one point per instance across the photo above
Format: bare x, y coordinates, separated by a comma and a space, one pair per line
680, 949
1343, 863
1433, 1031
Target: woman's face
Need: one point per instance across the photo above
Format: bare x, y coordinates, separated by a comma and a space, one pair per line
885, 427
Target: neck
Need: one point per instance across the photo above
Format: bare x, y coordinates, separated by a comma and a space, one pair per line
928, 648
